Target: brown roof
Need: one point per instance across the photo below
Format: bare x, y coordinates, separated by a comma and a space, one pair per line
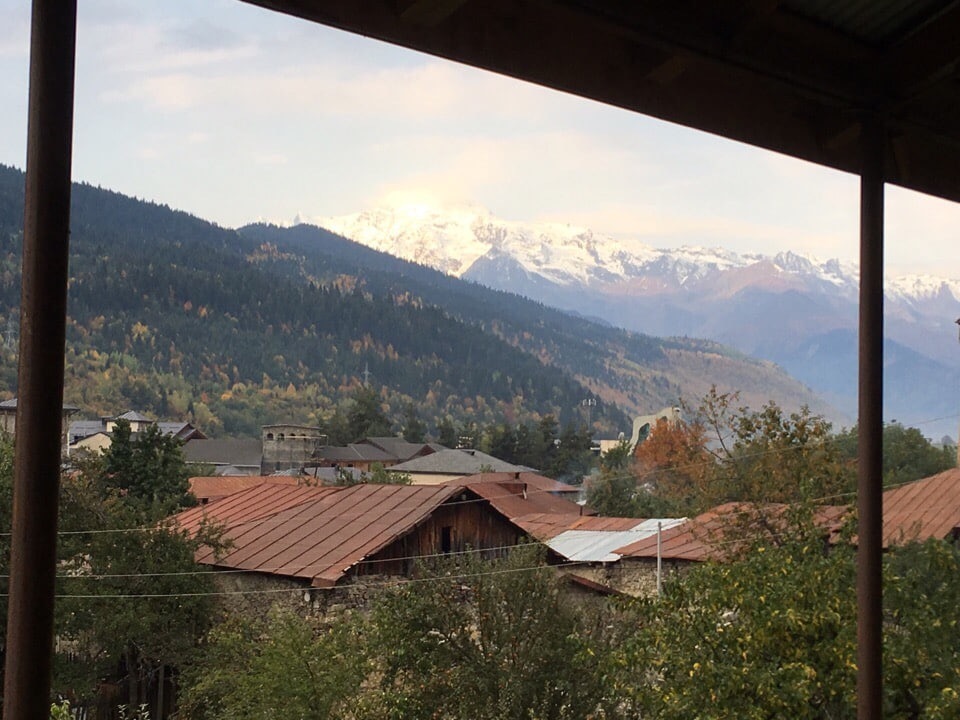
711, 535
924, 509
212, 488
533, 481
321, 536
515, 499
251, 504
545, 526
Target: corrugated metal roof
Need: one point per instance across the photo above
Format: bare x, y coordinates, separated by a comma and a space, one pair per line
257, 502
544, 526
533, 481
928, 508
603, 545
244, 452
134, 416
398, 448
207, 488
514, 499
323, 534
717, 532
354, 452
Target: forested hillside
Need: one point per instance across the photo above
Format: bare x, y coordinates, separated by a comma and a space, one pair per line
180, 318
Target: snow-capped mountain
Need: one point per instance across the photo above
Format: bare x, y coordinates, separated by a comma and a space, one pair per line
463, 239
793, 309
454, 240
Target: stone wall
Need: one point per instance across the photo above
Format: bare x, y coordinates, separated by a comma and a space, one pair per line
637, 578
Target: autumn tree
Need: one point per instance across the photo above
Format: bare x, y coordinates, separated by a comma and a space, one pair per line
674, 465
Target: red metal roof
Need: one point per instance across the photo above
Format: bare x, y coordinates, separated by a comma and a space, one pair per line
928, 508
328, 531
515, 499
545, 526
717, 532
210, 488
253, 503
534, 481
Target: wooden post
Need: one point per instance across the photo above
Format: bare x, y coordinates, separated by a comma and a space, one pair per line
870, 424
46, 227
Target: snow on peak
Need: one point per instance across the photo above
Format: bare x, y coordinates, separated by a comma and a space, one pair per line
921, 287
451, 238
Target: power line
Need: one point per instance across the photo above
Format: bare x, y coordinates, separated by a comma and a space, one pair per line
384, 583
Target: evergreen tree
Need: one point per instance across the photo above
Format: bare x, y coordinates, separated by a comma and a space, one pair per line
414, 430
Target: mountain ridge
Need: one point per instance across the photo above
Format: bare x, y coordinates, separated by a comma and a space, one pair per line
768, 306
233, 329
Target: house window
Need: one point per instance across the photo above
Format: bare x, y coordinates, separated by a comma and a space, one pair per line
446, 539
269, 436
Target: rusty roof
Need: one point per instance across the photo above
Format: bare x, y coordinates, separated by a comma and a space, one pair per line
713, 534
514, 499
210, 488
928, 508
253, 503
319, 536
544, 526
533, 481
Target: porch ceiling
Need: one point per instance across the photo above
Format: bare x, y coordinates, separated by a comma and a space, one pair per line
793, 76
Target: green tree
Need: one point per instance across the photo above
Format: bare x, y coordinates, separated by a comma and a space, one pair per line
285, 666
768, 455
147, 470
573, 458
907, 454
128, 593
414, 429
481, 640
378, 475
773, 634
447, 433
366, 417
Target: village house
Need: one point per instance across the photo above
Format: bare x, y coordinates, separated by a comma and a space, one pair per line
8, 418
451, 465
96, 435
305, 539
364, 454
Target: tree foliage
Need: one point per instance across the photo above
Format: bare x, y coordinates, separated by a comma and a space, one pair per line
284, 666
148, 470
129, 593
773, 635
907, 454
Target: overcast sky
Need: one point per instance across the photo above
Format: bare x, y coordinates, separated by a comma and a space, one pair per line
234, 114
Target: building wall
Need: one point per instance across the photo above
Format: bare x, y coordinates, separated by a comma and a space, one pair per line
451, 528
631, 577
288, 446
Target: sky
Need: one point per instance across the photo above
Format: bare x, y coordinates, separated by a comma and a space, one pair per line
237, 114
